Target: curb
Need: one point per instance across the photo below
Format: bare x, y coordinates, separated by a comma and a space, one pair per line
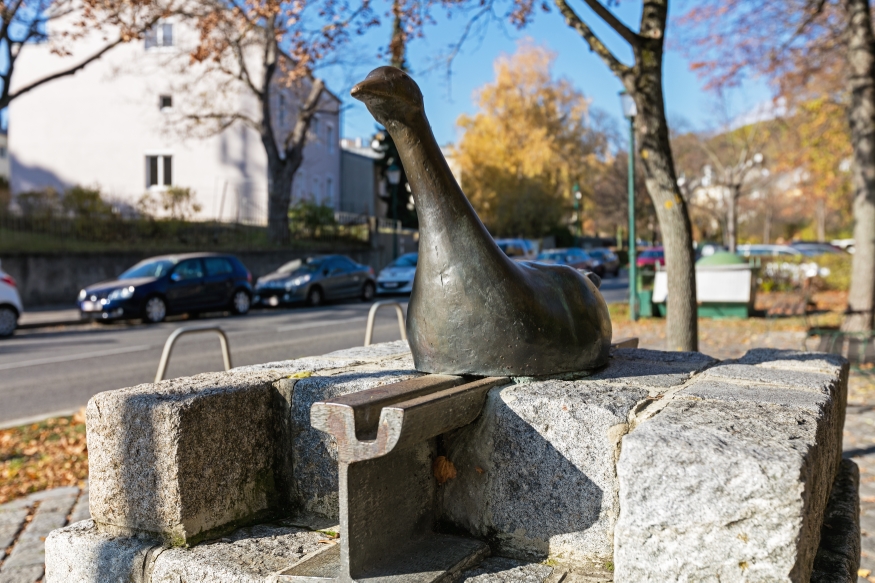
52, 323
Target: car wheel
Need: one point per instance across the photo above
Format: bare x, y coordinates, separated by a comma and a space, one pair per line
368, 292
315, 297
8, 321
241, 302
155, 310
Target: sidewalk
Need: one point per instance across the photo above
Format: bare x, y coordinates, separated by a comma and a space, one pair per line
24, 525
51, 316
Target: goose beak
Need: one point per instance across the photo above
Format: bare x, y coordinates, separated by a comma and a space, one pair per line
370, 87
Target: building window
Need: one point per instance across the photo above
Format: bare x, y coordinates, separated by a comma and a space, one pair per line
329, 137
329, 189
160, 35
165, 102
159, 171
314, 126
2, 151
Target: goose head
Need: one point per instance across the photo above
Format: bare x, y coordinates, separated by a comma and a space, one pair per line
390, 95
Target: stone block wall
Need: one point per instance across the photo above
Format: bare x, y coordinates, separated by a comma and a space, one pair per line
661, 466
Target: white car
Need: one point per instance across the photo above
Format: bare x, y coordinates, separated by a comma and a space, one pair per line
10, 305
766, 250
397, 277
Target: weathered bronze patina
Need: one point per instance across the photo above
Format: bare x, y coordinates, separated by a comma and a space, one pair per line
473, 310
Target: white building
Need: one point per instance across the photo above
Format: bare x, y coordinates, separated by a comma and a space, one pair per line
115, 125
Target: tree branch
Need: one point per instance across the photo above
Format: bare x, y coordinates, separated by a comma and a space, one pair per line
59, 74
298, 135
224, 119
624, 31
595, 44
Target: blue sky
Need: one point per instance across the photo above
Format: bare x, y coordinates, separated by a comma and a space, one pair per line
446, 99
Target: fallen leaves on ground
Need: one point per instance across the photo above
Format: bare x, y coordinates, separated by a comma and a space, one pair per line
44, 455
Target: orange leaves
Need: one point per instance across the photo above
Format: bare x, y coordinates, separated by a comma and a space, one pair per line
530, 142
43, 455
443, 469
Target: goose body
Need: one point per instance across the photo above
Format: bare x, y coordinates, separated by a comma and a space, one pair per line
473, 310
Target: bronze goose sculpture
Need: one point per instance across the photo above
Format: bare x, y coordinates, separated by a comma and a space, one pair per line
473, 310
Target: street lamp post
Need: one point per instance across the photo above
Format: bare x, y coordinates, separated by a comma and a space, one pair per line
578, 209
630, 110
393, 175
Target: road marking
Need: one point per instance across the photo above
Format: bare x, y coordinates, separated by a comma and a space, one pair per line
72, 357
319, 324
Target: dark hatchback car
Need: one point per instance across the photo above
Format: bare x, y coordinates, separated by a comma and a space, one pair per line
172, 284
574, 257
314, 280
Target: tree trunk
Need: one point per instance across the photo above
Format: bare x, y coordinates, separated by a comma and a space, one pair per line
820, 215
861, 67
279, 197
654, 148
767, 225
732, 193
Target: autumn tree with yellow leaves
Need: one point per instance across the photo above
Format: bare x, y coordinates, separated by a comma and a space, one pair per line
533, 139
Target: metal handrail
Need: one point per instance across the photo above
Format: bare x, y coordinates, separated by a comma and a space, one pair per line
171, 340
369, 331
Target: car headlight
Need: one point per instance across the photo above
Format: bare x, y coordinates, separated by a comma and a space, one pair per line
121, 293
298, 281
82, 295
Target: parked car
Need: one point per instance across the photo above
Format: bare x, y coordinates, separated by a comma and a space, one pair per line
572, 256
517, 249
844, 244
767, 251
10, 305
604, 261
397, 277
314, 280
815, 248
171, 284
651, 257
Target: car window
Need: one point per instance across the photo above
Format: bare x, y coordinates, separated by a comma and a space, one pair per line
344, 263
218, 266
148, 269
408, 260
189, 269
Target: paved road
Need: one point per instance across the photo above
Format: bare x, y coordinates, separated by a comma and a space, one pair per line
52, 371
44, 372
616, 289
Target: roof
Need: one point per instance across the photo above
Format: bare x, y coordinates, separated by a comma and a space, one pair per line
721, 258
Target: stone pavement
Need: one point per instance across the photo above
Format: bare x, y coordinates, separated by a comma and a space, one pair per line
859, 445
24, 525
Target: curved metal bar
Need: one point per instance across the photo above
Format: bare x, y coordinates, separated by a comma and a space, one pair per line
369, 331
174, 336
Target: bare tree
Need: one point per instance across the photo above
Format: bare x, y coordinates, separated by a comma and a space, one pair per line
729, 163
24, 23
809, 47
264, 53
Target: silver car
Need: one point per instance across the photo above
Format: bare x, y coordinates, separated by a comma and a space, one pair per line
10, 305
397, 277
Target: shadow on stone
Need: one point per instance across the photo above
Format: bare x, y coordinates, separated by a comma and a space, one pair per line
535, 472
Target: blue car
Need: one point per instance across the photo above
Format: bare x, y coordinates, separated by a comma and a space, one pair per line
171, 284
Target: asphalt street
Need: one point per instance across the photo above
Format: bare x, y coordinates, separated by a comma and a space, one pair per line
44, 372
51, 371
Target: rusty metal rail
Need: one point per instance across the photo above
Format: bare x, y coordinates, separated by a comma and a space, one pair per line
386, 487
171, 341
369, 331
